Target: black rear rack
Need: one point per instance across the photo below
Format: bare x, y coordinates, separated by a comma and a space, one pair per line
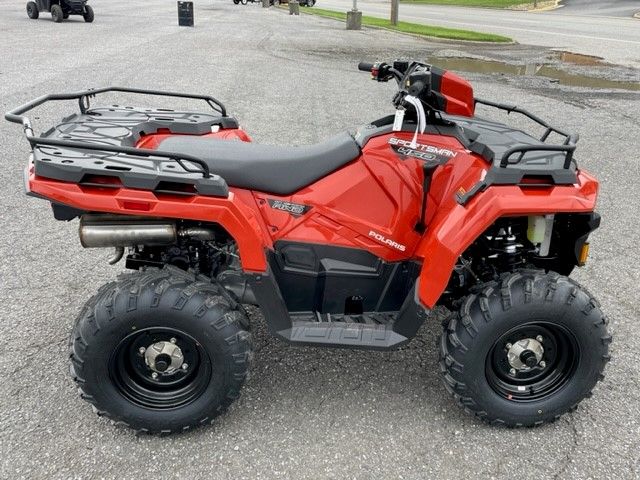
506, 171
568, 147
17, 116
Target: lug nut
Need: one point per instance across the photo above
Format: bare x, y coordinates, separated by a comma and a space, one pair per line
141, 350
539, 338
508, 346
173, 340
185, 366
512, 371
154, 375
542, 364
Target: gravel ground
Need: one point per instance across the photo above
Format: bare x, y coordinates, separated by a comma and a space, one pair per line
304, 413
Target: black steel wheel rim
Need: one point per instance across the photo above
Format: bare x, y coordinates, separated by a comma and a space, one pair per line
561, 357
134, 379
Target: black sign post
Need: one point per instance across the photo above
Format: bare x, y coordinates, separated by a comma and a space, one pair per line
185, 14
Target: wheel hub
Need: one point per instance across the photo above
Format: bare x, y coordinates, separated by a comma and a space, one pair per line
164, 357
525, 354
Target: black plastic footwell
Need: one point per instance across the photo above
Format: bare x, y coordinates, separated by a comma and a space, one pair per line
369, 330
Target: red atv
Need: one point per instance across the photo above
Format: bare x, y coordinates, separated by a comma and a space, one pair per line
348, 243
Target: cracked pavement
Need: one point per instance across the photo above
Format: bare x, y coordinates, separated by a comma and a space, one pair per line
305, 413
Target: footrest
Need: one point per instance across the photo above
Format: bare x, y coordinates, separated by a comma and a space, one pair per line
343, 334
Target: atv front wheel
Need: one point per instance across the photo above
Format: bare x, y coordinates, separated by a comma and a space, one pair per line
32, 10
524, 350
160, 351
56, 13
88, 14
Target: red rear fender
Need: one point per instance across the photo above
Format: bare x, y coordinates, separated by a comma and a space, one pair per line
233, 213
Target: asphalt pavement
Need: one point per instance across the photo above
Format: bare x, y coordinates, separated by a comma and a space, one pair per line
304, 413
617, 40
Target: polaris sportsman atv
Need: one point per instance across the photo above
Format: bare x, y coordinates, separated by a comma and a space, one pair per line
347, 243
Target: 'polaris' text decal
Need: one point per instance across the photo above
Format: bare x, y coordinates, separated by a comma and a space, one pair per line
387, 241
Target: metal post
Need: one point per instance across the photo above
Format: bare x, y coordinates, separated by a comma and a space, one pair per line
354, 17
394, 11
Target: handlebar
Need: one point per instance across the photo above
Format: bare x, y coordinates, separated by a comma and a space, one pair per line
383, 72
365, 66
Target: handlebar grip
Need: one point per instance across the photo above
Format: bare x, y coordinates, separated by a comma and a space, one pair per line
365, 66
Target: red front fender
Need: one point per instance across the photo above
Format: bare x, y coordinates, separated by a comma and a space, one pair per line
454, 227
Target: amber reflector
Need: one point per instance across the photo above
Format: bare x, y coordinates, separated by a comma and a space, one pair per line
584, 254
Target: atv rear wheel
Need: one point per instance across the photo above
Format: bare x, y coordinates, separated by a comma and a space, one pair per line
525, 350
88, 14
160, 351
32, 10
56, 13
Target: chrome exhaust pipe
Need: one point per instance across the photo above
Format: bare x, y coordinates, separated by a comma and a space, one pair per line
100, 231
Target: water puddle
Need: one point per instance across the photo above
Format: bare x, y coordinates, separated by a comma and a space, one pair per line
557, 75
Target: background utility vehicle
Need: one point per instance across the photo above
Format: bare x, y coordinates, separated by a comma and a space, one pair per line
60, 9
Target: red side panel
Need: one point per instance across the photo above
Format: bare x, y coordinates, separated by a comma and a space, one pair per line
372, 203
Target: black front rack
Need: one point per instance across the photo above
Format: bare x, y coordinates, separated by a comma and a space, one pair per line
186, 162
506, 171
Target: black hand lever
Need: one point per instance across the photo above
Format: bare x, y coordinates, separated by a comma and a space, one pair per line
427, 169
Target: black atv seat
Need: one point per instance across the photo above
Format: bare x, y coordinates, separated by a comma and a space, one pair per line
280, 170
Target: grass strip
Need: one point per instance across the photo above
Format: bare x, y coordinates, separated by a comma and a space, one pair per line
413, 28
